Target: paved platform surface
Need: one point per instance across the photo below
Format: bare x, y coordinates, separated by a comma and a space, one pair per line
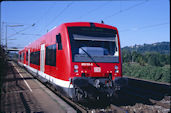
21, 92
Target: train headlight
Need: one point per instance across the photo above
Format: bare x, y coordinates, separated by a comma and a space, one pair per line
76, 71
75, 66
116, 71
116, 67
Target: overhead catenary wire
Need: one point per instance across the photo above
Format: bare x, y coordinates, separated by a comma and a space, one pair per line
46, 12
146, 27
154, 25
120, 11
21, 30
13, 29
35, 23
30, 34
126, 9
96, 8
59, 14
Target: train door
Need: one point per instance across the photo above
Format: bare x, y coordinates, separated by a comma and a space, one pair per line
29, 57
42, 57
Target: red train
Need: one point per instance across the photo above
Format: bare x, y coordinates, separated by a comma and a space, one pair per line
81, 59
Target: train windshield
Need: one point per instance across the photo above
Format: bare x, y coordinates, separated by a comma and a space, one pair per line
101, 44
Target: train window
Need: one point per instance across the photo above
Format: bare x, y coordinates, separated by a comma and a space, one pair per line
32, 57
35, 58
19, 57
99, 43
51, 55
58, 40
26, 56
22, 56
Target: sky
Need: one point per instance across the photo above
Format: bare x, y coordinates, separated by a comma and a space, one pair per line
138, 21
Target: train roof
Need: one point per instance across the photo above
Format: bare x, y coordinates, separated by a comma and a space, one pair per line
88, 24
72, 24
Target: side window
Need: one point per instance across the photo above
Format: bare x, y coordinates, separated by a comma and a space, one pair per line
27, 56
22, 56
35, 58
51, 55
58, 40
32, 58
19, 56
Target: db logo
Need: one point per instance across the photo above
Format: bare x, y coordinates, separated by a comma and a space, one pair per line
97, 69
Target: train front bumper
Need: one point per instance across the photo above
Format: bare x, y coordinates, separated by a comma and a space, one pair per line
95, 86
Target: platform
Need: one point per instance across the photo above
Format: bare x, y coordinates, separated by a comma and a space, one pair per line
21, 92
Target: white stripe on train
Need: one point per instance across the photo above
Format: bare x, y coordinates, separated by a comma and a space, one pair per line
59, 82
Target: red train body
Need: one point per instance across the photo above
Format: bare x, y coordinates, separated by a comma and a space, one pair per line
80, 59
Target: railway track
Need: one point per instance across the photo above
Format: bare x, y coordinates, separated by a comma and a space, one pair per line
134, 102
146, 96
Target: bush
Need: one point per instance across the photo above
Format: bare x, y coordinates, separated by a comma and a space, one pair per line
148, 72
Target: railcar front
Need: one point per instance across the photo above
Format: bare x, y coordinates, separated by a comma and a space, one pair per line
96, 60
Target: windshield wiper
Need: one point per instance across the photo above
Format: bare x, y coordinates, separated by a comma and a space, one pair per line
90, 57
